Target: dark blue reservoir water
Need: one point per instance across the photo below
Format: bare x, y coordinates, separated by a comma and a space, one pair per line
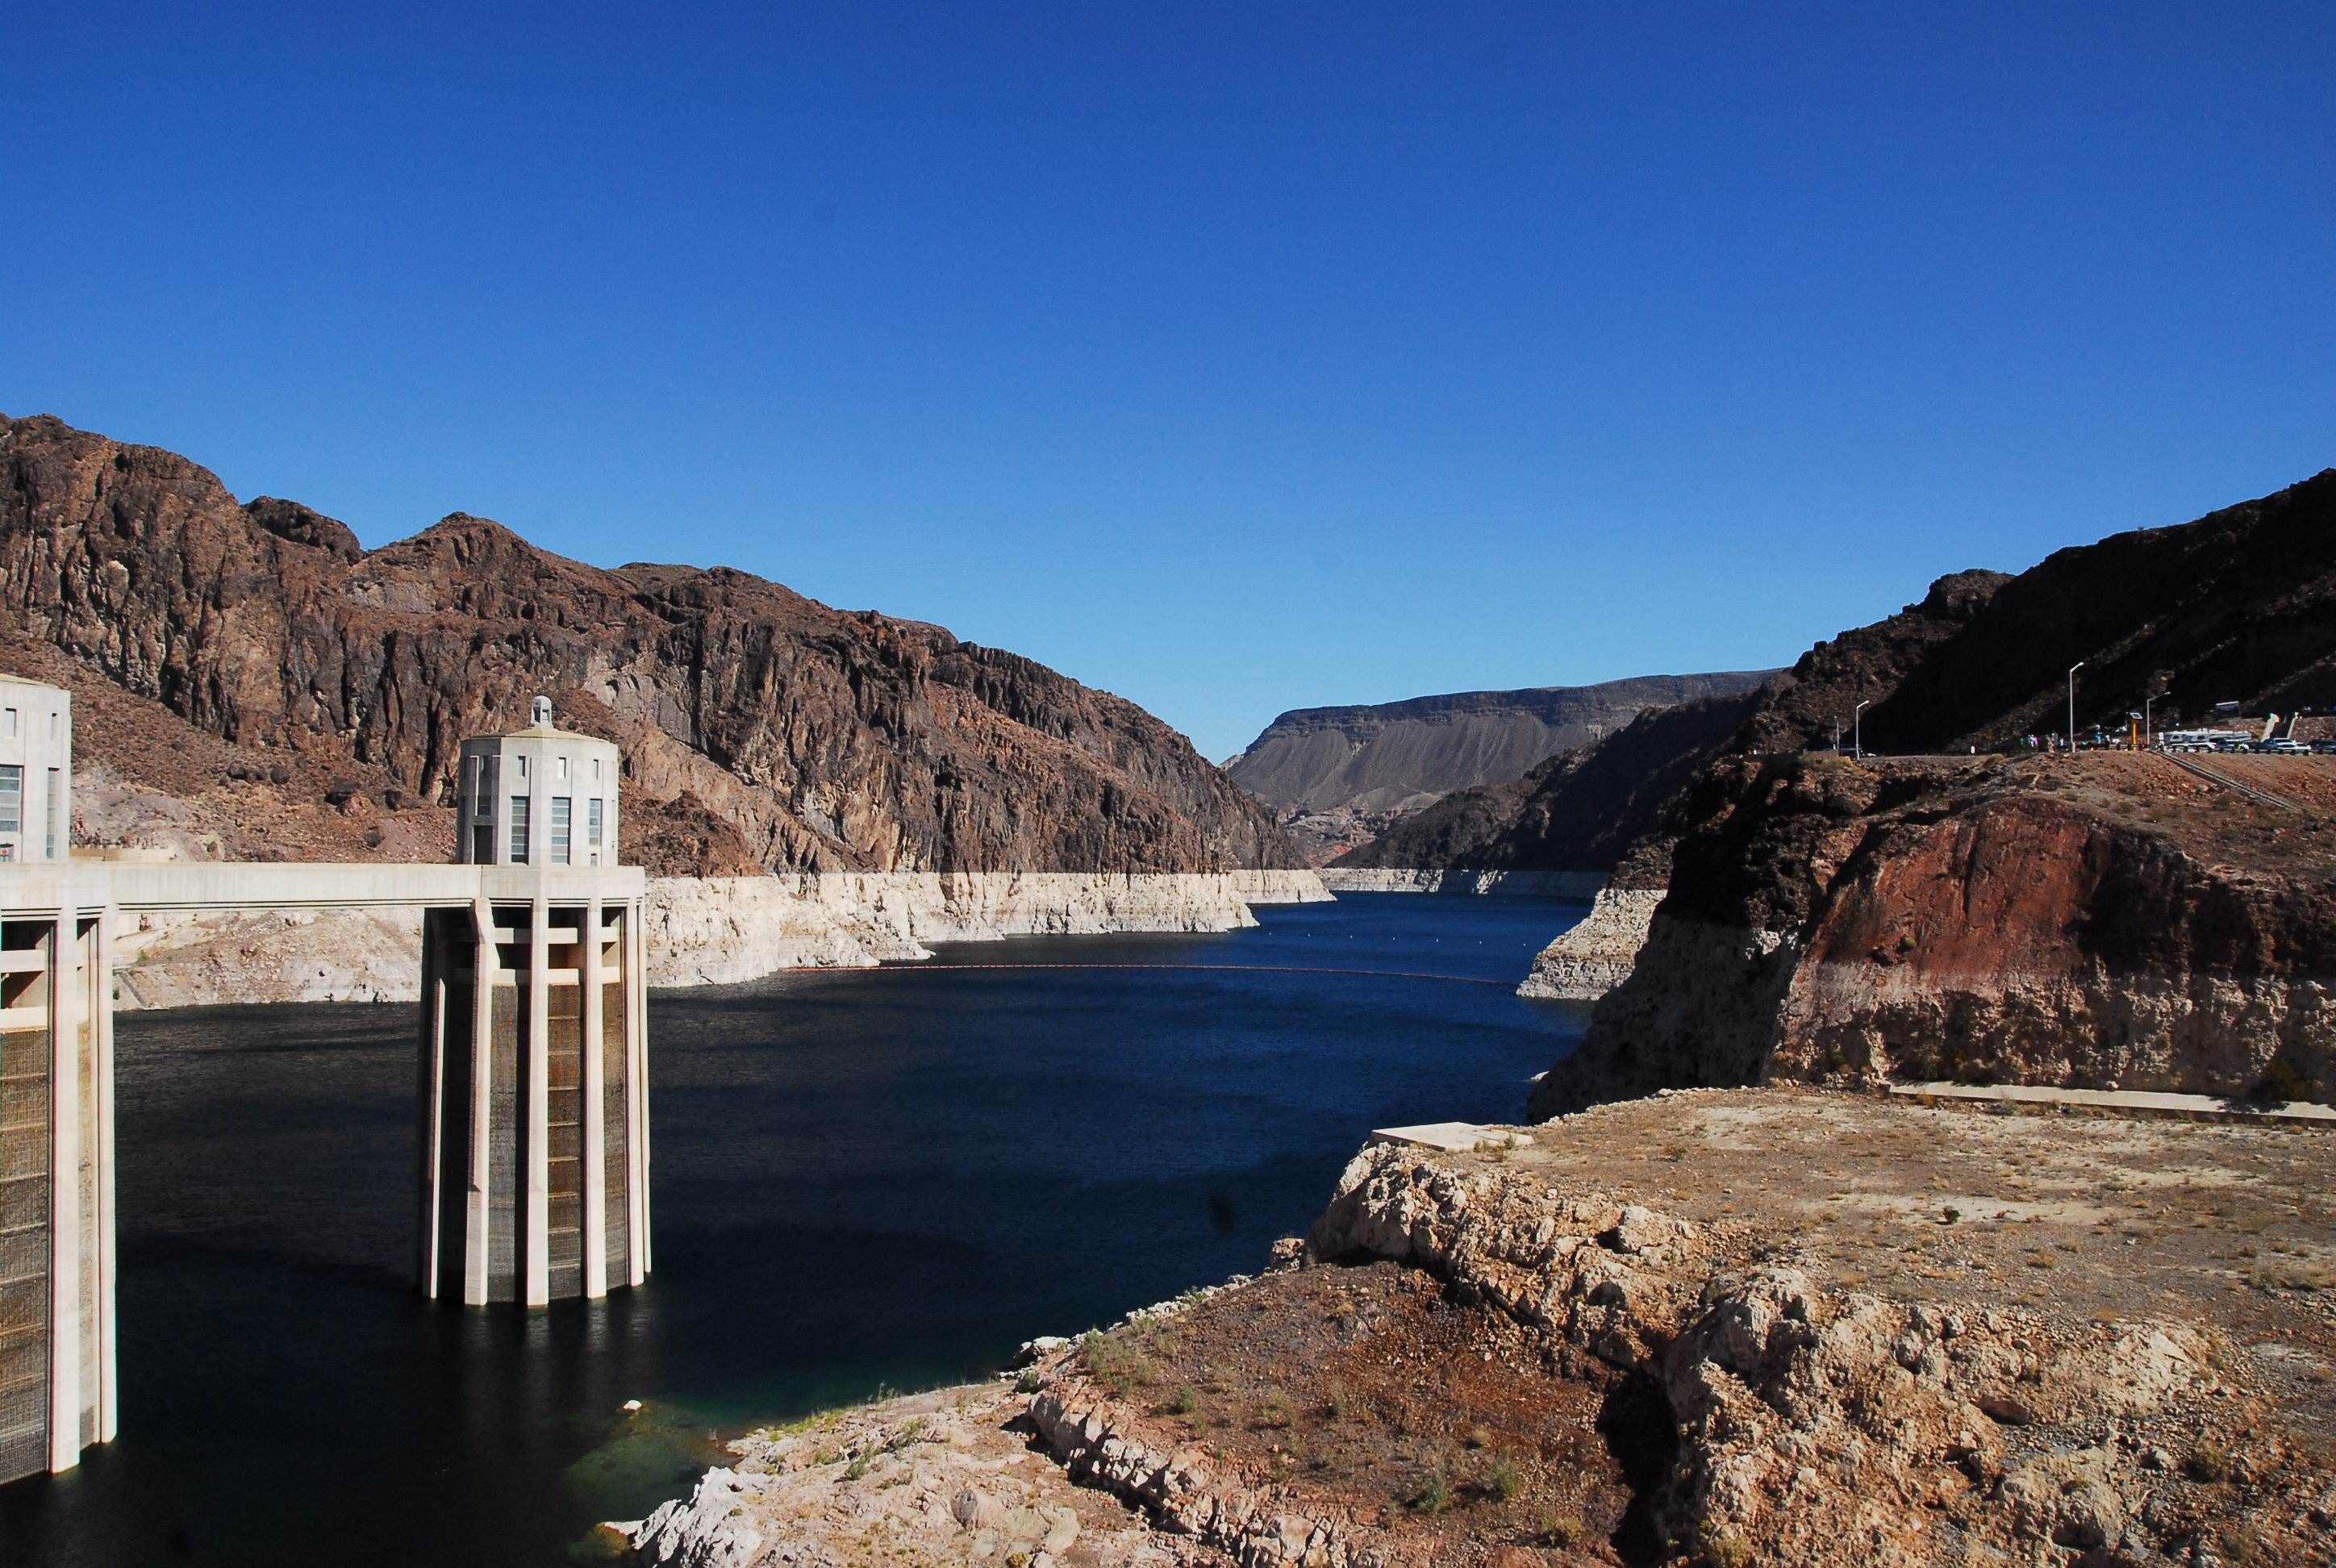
864, 1179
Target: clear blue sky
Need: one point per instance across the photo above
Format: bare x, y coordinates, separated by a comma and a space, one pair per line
1231, 358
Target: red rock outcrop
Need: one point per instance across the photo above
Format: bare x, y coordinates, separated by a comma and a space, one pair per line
2106, 923
763, 729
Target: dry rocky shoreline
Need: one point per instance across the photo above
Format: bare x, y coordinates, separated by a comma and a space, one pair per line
1720, 1327
702, 931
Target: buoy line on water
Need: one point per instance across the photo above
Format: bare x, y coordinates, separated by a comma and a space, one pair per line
919, 968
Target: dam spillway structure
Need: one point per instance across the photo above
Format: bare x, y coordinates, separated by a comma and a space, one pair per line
532, 1087
535, 1124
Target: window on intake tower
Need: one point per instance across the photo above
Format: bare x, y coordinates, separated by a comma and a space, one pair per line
12, 799
518, 830
559, 830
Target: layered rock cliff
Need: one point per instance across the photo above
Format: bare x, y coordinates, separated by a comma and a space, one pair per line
760, 726
2107, 922
1400, 755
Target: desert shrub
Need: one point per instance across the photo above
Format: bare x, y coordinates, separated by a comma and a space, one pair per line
1561, 1530
2211, 1462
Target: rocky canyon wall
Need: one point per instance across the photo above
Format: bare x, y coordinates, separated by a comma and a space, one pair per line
2102, 923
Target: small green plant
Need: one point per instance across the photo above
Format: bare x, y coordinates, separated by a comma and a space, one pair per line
1556, 1529
1727, 1552
1183, 1402
1478, 1437
1028, 1382
1120, 1366
858, 1467
1950, 1214
1435, 1494
1503, 1480
1275, 1415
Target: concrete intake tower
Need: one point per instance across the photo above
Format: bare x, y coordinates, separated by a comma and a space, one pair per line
535, 1136
533, 1088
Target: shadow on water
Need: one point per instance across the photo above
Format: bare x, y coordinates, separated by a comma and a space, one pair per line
862, 1180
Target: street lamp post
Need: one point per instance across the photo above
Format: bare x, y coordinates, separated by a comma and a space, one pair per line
2149, 736
2072, 705
1857, 718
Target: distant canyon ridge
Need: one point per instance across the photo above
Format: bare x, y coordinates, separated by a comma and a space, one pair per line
1339, 776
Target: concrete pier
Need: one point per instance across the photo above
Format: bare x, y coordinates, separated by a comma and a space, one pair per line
56, 1171
534, 1181
533, 1088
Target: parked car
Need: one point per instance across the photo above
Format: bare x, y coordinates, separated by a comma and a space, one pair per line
2286, 747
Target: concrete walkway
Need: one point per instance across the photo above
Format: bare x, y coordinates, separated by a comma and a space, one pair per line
2194, 1107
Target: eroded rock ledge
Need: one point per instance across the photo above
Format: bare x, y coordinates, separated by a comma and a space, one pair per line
1449, 879
1594, 957
1716, 1327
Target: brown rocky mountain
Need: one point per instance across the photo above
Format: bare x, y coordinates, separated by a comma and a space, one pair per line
1340, 777
293, 692
1581, 810
2239, 606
